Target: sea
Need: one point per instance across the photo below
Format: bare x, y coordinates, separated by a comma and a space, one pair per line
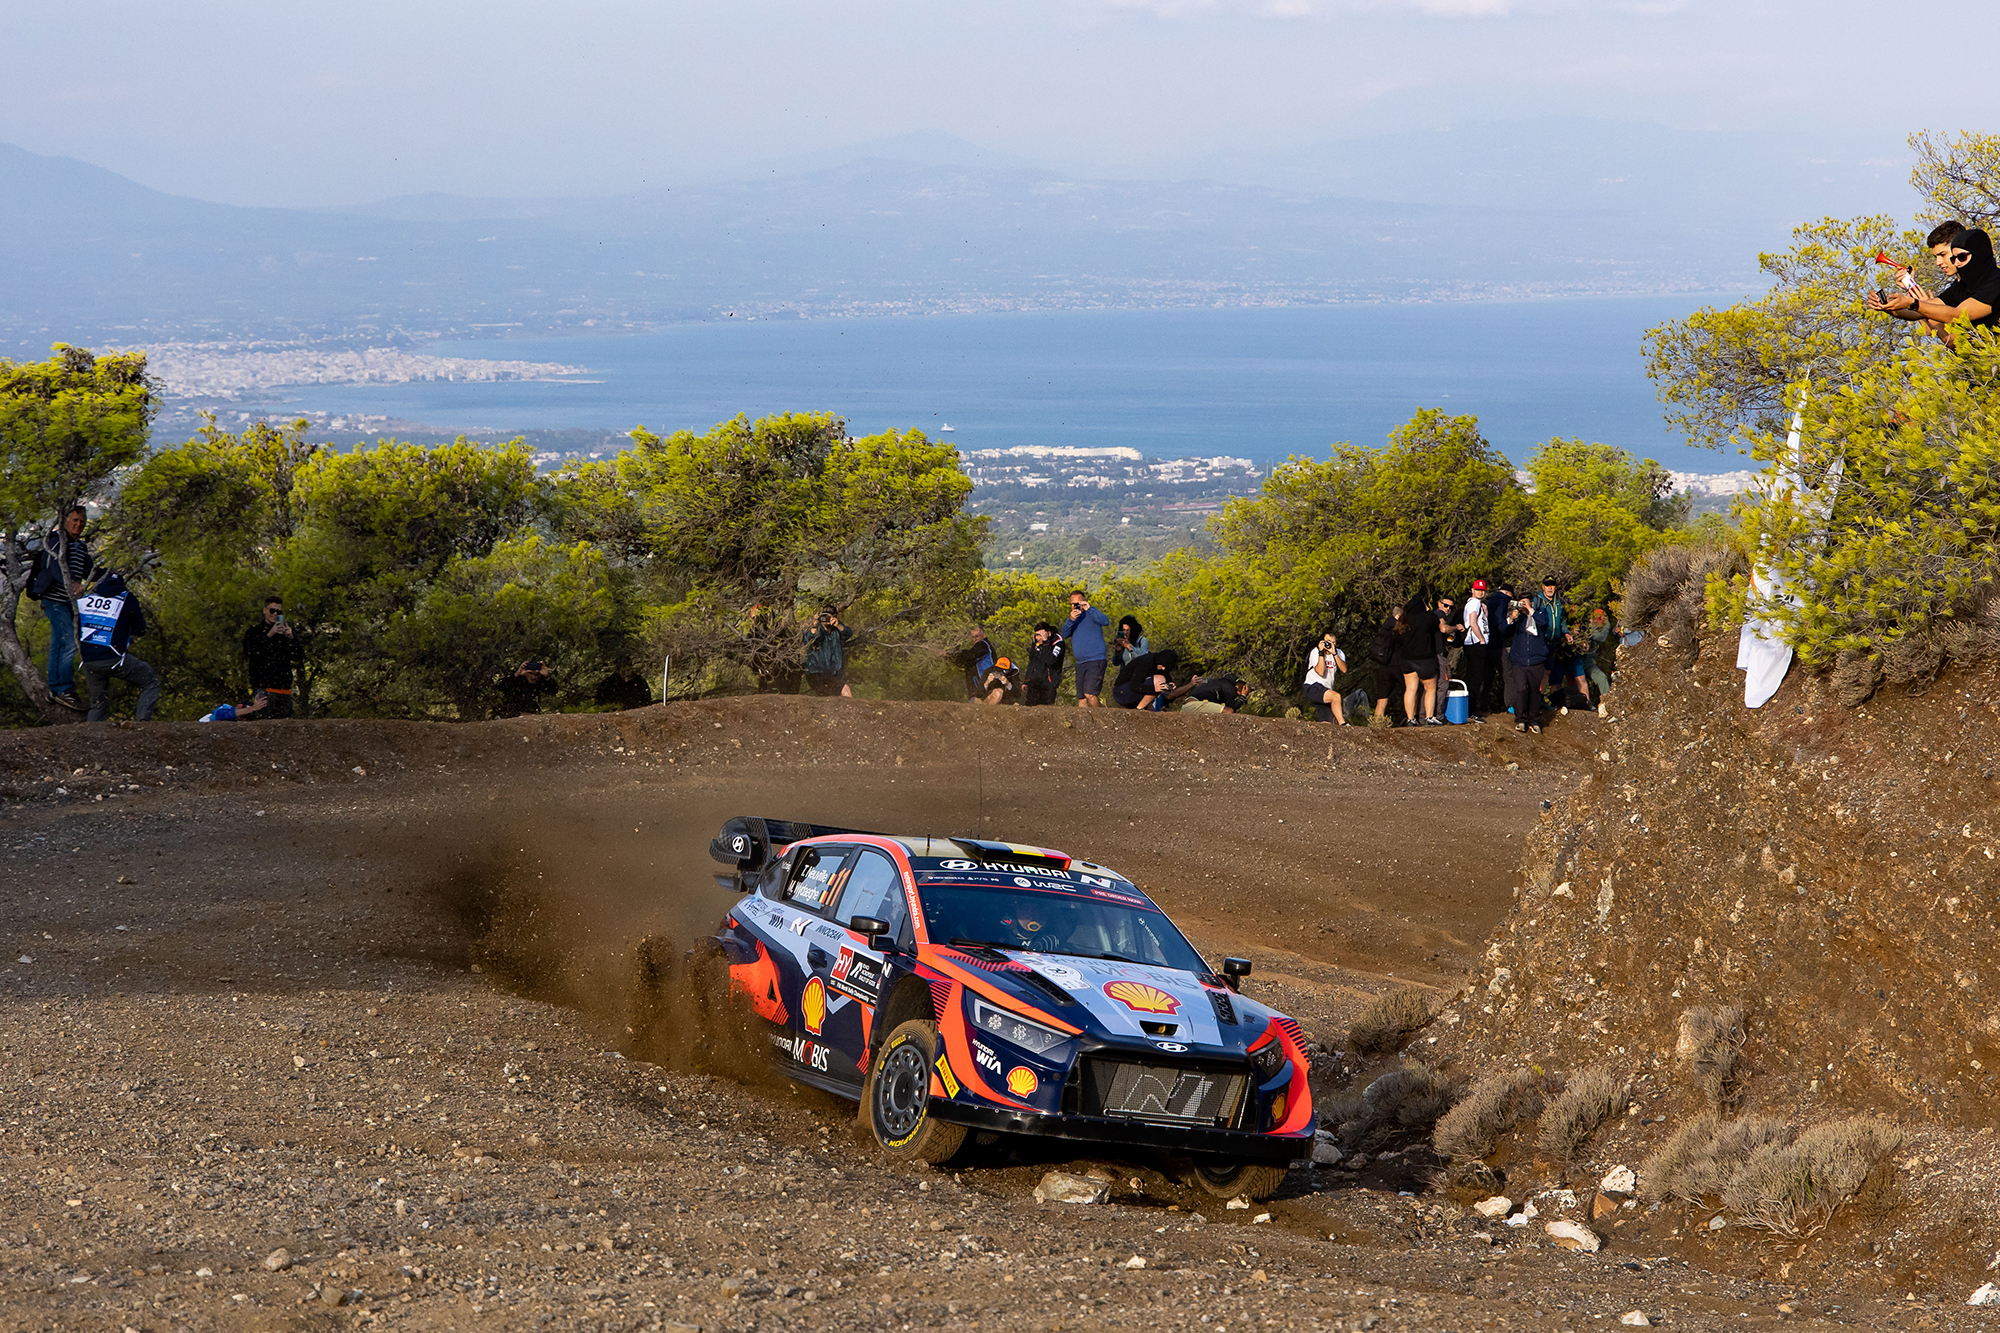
1261, 384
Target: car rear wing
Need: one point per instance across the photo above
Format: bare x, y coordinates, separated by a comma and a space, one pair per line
747, 841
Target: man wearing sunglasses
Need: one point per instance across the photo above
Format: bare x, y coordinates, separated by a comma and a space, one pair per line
1966, 257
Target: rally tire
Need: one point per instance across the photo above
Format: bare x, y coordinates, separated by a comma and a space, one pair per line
895, 1101
1250, 1180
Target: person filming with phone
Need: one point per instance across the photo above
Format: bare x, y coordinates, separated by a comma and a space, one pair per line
1965, 255
271, 651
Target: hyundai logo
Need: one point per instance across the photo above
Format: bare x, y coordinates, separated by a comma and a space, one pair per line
739, 844
1170, 1046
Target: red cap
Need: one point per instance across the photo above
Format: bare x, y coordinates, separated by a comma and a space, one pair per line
1479, 585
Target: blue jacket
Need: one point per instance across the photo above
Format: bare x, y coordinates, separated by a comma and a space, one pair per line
1085, 632
1531, 649
825, 655
131, 622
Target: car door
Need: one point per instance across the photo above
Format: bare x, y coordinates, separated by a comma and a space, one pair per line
798, 920
853, 973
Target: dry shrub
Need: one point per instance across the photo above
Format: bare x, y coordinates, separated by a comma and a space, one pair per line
1705, 1154
1793, 1188
1407, 1100
1667, 592
1586, 1102
1855, 677
1391, 1019
1495, 1105
1709, 1042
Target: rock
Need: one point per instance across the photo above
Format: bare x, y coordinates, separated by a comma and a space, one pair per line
1497, 1206
1602, 1206
298, 1062
1135, 1262
331, 1295
278, 1260
1718, 1222
1062, 1187
1356, 1162
1517, 1220
1620, 1180
402, 1207
1986, 1295
1483, 1237
1475, 1175
1574, 1236
1260, 1219
1240, 1201
1529, 1211
1326, 1153
1636, 1318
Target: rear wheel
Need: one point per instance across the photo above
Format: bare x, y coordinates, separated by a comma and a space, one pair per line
1250, 1180
896, 1101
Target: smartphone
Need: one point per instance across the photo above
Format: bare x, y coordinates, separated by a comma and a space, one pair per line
281, 618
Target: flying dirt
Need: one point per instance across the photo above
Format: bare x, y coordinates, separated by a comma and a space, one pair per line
318, 1024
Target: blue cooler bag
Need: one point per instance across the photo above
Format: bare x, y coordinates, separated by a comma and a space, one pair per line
1458, 704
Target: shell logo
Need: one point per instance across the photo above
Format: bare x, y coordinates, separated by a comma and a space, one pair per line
1021, 1081
812, 1006
1141, 998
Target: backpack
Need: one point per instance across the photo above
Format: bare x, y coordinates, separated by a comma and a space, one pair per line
38, 565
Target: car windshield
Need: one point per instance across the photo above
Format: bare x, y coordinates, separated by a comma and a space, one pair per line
1041, 921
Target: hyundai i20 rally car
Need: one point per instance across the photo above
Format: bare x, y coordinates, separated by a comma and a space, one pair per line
961, 987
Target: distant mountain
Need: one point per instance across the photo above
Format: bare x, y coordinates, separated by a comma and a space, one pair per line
927, 223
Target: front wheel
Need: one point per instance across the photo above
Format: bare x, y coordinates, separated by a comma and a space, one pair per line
896, 1101
1250, 1180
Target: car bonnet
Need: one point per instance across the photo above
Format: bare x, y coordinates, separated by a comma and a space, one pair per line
1120, 997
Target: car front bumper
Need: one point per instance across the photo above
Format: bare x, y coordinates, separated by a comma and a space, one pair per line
1233, 1144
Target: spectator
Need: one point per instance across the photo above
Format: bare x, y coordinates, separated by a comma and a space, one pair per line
522, 692
236, 712
1137, 682
1966, 257
1603, 647
1450, 631
1553, 620
1161, 688
826, 655
1472, 664
624, 688
977, 658
1045, 665
272, 654
1498, 602
1002, 683
1528, 656
1131, 641
1415, 660
1085, 635
1213, 694
1323, 665
109, 619
66, 568
1382, 652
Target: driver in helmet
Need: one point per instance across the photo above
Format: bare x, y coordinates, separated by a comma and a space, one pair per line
1043, 926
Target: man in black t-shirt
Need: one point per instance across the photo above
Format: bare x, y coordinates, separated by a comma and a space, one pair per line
1966, 257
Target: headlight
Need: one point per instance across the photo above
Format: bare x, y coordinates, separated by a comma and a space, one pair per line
1025, 1033
1268, 1058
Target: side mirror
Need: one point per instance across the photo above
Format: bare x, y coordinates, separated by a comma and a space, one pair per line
1234, 970
868, 925
743, 843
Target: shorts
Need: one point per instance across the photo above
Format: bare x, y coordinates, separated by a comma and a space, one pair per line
1424, 668
826, 685
1090, 678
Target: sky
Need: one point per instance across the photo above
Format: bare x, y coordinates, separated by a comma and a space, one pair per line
255, 103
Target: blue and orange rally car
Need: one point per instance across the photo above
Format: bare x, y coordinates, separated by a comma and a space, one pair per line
960, 987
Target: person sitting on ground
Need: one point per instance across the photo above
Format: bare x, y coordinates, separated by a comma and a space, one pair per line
826, 655
976, 658
1002, 683
521, 693
1966, 257
271, 652
1139, 680
624, 688
65, 569
1045, 665
1162, 686
109, 618
1131, 641
1085, 635
1214, 694
1323, 664
237, 712
1415, 660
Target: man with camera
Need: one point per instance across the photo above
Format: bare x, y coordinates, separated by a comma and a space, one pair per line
826, 655
1085, 635
1045, 664
1527, 663
272, 653
521, 693
1966, 257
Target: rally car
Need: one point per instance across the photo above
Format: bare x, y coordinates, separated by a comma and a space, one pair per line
958, 987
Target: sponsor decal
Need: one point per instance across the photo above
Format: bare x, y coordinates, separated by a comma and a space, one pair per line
1044, 872
982, 1055
1094, 881
812, 1005
739, 844
811, 1054
798, 925
857, 976
1173, 1046
829, 932
958, 865
944, 1072
1021, 1081
1141, 998
1022, 881
1110, 896
1065, 976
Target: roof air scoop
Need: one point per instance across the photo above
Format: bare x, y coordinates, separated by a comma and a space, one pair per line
1012, 852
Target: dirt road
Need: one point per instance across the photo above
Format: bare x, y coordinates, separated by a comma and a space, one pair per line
319, 1025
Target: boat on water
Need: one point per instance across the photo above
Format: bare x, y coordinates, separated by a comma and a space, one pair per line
945, 429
